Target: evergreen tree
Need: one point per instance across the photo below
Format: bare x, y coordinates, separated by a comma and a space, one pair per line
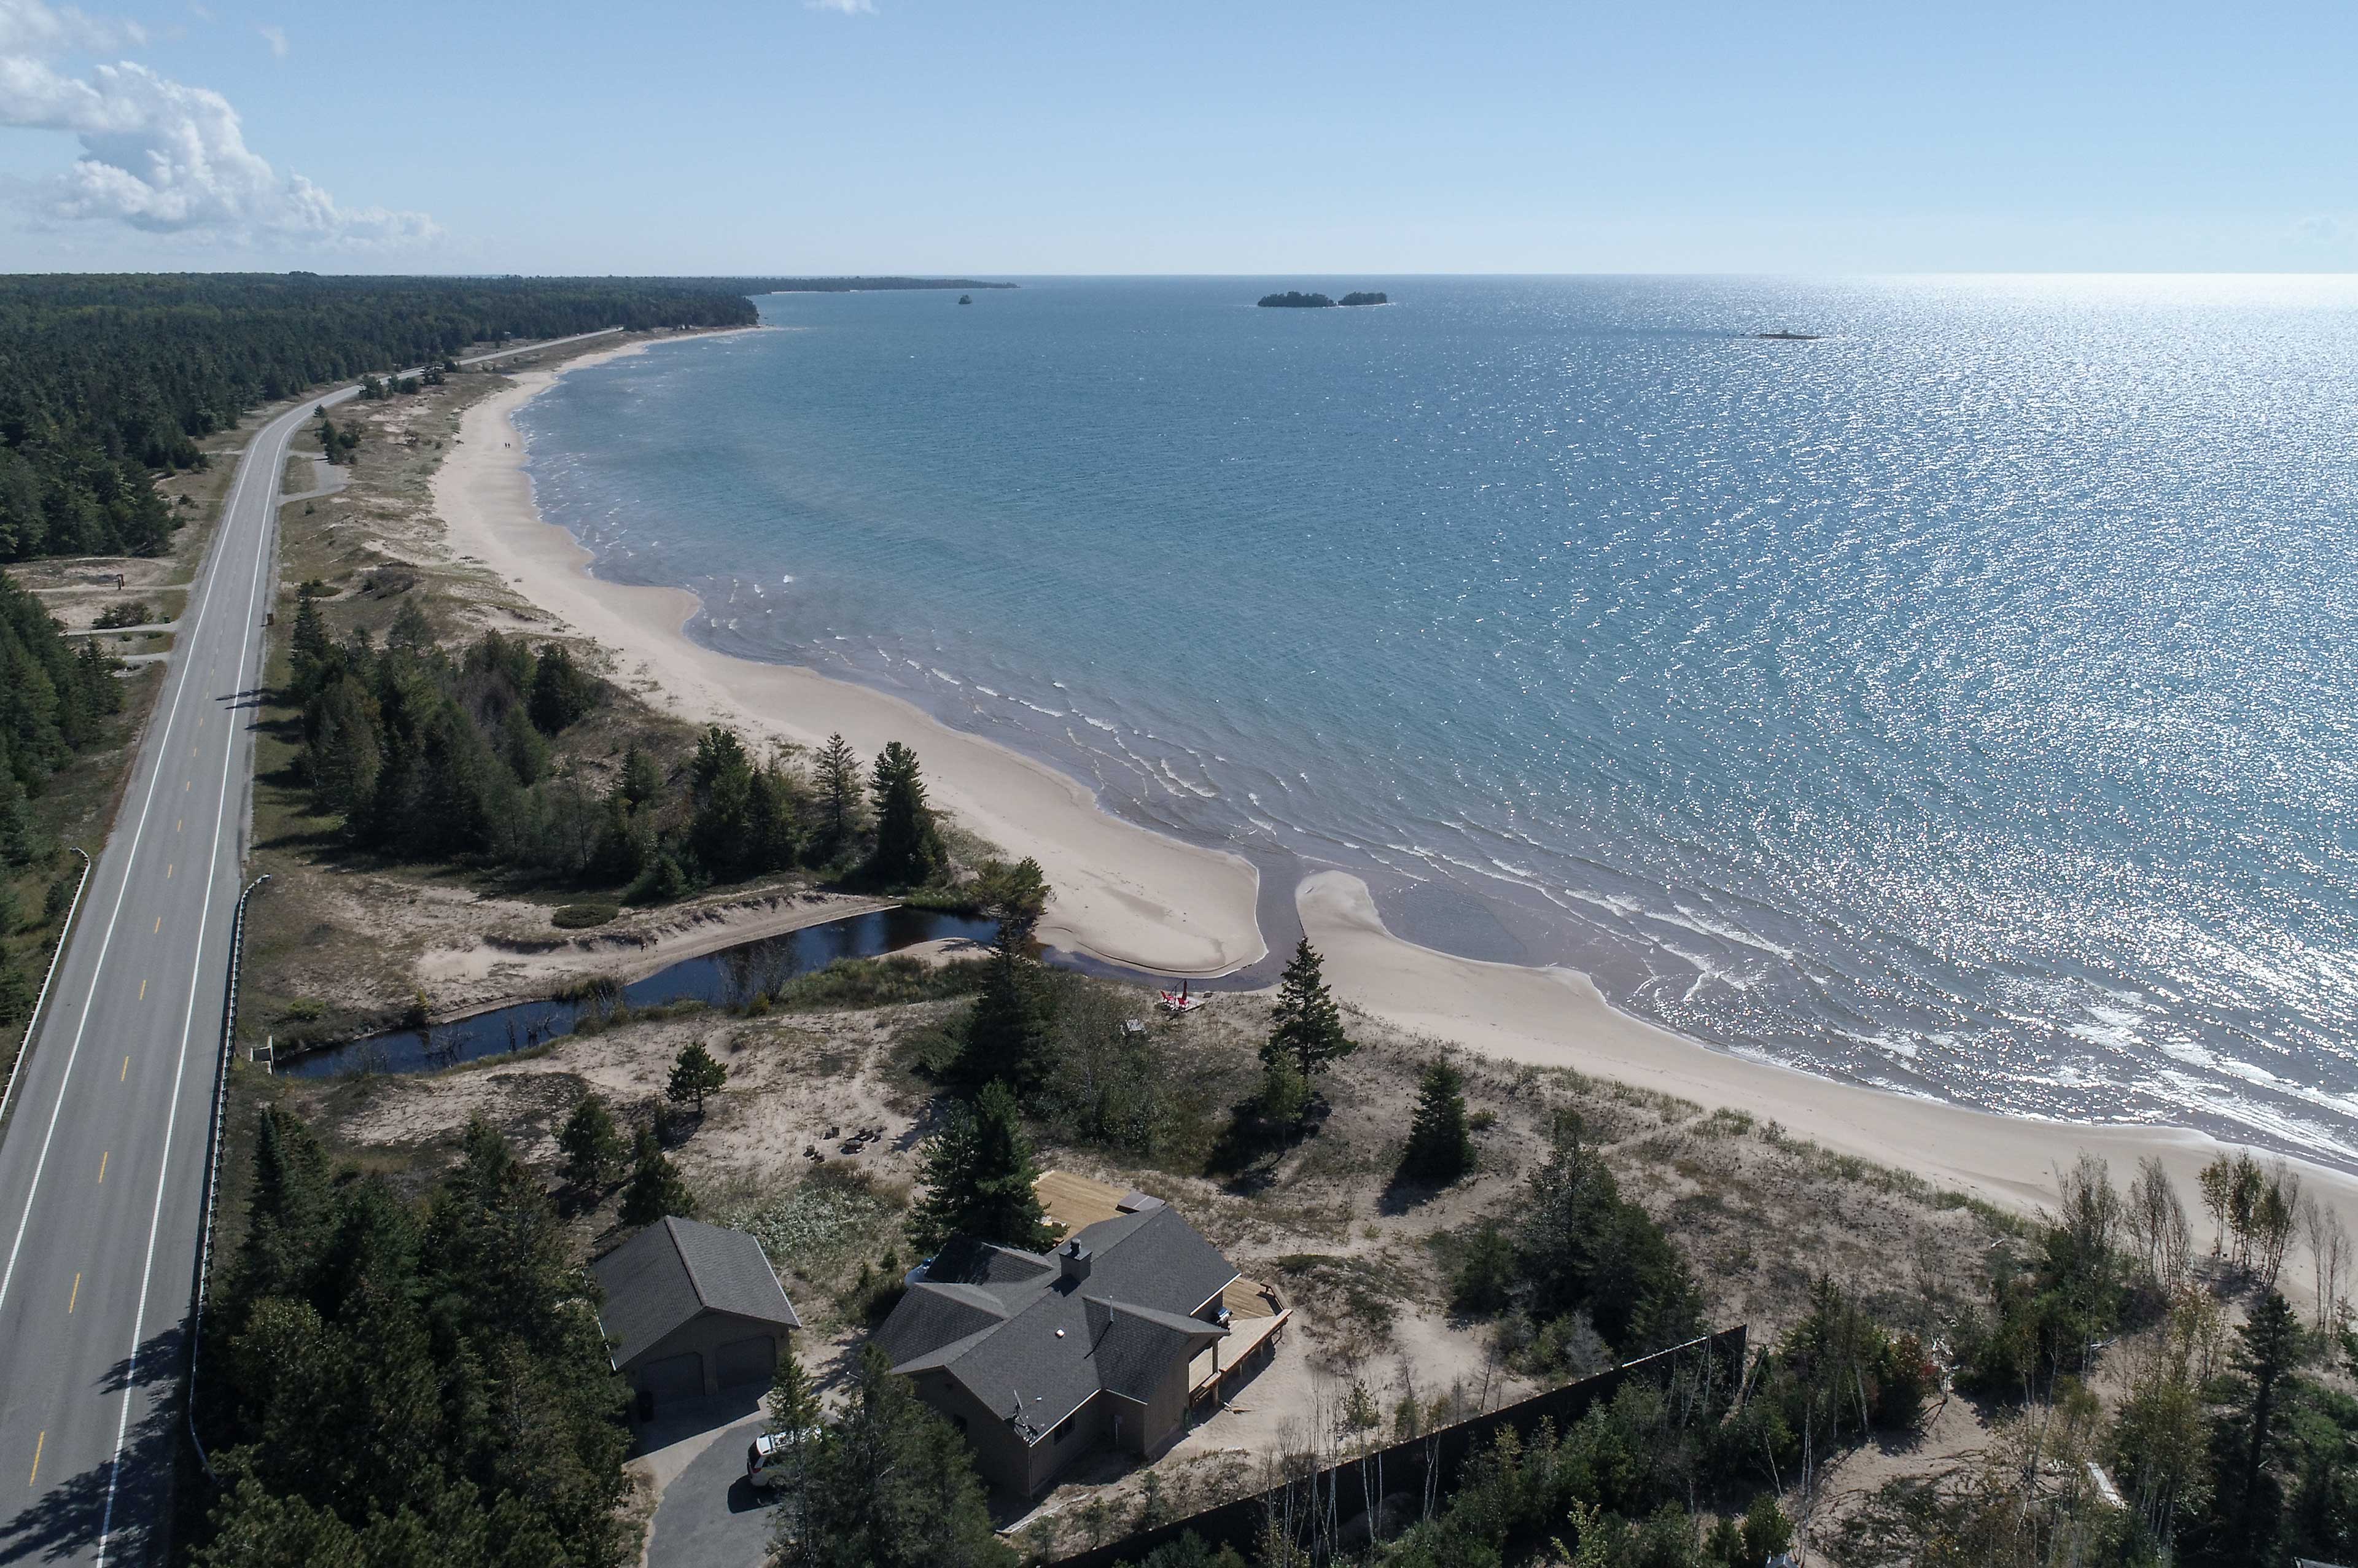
640, 779
695, 1072
398, 1386
2267, 1349
655, 1189
592, 1143
562, 691
1440, 1148
908, 845
1308, 1026
1582, 1246
978, 1173
839, 785
411, 630
1007, 1032
794, 1415
308, 645
722, 782
1284, 1096
891, 1487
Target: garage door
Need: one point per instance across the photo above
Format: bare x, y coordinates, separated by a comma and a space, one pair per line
674, 1377
751, 1360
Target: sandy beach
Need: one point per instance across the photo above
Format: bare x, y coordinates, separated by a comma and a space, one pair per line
1122, 893
1555, 1017
1133, 897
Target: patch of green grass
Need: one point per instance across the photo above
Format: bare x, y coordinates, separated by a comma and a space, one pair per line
576, 916
850, 985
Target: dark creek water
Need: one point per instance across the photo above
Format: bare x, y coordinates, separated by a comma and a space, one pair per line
729, 978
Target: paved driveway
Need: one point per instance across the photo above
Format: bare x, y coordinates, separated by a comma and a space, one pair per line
707, 1514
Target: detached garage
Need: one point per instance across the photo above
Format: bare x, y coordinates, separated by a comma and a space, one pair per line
692, 1308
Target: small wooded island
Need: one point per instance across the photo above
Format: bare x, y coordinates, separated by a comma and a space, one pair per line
1293, 298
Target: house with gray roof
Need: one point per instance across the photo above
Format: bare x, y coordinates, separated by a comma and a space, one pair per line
692, 1308
1041, 1359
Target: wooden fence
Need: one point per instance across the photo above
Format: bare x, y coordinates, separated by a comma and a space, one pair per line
1319, 1507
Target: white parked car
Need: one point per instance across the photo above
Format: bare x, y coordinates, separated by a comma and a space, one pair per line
767, 1456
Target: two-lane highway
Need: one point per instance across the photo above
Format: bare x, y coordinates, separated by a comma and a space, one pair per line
101, 1157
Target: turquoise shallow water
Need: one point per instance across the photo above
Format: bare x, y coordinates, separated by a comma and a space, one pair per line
1961, 703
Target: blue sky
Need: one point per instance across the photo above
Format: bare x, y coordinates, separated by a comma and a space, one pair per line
1011, 137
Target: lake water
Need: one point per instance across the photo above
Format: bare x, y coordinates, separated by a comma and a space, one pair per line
1960, 703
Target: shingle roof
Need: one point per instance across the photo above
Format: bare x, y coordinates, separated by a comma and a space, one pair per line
671, 1272
1061, 1342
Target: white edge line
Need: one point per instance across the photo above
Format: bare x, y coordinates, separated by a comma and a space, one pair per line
251, 640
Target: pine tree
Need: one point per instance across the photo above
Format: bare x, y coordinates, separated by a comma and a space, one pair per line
639, 781
562, 691
1308, 1025
839, 785
593, 1146
908, 846
1440, 1148
891, 1486
655, 1189
411, 630
721, 780
2268, 1349
695, 1072
793, 1405
307, 646
1007, 1032
979, 1174
794, 1415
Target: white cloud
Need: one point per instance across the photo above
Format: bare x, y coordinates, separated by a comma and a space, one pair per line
201, 13
162, 157
276, 38
848, 7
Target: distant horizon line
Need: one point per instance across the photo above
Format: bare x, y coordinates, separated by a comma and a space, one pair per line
976, 276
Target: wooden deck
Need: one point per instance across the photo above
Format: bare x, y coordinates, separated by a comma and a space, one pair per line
1075, 1202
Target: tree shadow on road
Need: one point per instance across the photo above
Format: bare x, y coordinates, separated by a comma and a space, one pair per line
68, 1515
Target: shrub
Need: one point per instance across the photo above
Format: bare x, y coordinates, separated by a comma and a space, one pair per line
574, 916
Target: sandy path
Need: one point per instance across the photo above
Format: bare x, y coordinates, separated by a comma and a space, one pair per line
1556, 1016
1123, 894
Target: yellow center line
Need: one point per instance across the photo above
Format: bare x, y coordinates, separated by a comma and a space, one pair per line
176, 823
102, 1166
39, 1444
142, 990
159, 924
167, 873
184, 786
74, 1300
124, 1076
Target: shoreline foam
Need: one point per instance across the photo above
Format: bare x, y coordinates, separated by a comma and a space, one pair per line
1133, 897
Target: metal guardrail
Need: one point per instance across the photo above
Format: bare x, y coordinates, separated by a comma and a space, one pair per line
34, 1022
213, 1163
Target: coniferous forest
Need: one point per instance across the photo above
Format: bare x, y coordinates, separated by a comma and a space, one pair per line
107, 380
